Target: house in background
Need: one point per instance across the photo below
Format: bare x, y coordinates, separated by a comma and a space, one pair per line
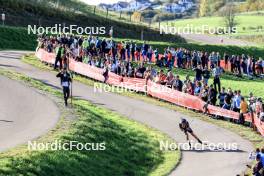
141, 5
187, 3
104, 6
136, 5
119, 6
133, 5
174, 8
180, 7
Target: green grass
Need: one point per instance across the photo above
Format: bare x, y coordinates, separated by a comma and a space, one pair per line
247, 133
245, 21
131, 148
71, 12
244, 84
257, 51
243, 131
227, 80
247, 27
17, 38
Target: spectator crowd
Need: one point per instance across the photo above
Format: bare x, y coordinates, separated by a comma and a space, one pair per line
258, 156
129, 59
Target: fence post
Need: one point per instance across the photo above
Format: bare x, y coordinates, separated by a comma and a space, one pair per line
3, 19
142, 34
120, 14
39, 21
130, 17
159, 24
149, 23
94, 9
106, 13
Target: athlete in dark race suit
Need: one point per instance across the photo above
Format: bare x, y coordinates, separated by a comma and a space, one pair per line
185, 127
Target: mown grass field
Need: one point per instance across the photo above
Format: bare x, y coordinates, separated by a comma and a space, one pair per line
21, 13
131, 148
248, 22
250, 27
244, 84
257, 51
248, 133
18, 38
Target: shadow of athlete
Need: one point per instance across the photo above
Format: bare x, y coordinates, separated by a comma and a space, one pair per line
185, 127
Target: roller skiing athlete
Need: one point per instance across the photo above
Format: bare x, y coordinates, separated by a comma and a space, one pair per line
185, 127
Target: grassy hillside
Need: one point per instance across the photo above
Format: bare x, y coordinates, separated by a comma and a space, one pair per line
72, 12
216, 7
253, 51
249, 26
130, 148
17, 38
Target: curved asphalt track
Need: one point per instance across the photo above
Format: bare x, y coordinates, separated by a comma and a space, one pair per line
23, 113
198, 163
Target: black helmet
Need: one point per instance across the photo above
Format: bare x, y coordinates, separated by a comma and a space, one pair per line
183, 120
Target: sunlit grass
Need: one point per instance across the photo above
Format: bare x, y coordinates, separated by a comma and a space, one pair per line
131, 148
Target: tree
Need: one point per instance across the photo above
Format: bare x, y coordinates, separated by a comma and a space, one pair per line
203, 9
136, 16
229, 15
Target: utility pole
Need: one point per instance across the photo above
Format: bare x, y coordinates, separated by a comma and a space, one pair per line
149, 23
3, 19
39, 21
106, 13
159, 24
58, 2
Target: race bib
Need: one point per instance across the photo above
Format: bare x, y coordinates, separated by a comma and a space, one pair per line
65, 84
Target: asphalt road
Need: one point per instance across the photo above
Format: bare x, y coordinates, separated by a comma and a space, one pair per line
198, 163
23, 113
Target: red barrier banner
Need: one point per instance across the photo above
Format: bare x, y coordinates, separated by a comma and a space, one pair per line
259, 124
45, 56
136, 84
153, 89
227, 113
174, 96
86, 70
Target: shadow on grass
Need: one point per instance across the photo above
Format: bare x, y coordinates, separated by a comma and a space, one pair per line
128, 151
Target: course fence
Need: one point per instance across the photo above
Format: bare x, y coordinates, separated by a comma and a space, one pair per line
152, 89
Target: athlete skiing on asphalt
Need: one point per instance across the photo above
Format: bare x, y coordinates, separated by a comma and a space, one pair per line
185, 127
66, 80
